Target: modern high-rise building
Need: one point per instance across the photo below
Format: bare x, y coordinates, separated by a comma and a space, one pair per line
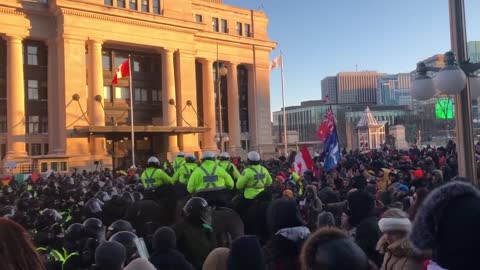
473, 48
394, 89
357, 87
329, 89
59, 109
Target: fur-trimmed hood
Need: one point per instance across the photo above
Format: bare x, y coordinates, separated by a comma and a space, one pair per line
401, 248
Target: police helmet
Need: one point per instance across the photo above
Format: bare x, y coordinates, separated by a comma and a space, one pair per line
47, 218
26, 195
181, 154
190, 158
94, 228
102, 196
153, 160
128, 197
197, 207
253, 156
128, 240
224, 156
119, 226
208, 156
7, 211
74, 232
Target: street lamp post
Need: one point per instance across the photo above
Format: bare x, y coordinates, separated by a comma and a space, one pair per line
452, 80
221, 72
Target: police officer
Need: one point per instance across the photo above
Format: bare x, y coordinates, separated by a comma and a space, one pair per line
254, 178
179, 161
210, 181
184, 172
229, 166
153, 176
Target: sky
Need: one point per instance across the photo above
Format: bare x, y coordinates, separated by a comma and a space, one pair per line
320, 38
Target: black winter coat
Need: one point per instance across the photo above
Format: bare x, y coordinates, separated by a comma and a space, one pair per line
367, 235
170, 260
282, 254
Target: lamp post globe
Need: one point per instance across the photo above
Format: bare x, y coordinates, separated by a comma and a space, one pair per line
451, 80
423, 88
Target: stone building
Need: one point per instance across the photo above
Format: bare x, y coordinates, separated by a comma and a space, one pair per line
59, 109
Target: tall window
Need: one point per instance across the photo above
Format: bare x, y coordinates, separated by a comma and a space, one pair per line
32, 86
224, 26
141, 95
35, 149
239, 29
145, 6
156, 6
122, 93
215, 24
248, 32
3, 123
33, 124
107, 93
121, 3
119, 59
133, 4
198, 18
108, 2
32, 55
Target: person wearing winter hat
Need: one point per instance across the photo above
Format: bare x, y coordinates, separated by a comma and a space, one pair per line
142, 264
325, 219
110, 256
362, 219
399, 253
165, 254
217, 259
288, 234
330, 248
246, 253
447, 224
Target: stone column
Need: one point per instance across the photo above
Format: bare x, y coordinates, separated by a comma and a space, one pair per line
96, 114
233, 109
209, 106
168, 95
15, 98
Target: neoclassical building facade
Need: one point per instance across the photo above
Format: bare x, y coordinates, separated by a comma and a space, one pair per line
199, 72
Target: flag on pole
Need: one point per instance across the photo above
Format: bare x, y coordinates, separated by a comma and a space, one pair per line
122, 71
332, 151
303, 161
276, 63
327, 126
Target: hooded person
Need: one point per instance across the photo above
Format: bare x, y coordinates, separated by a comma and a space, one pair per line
330, 248
110, 256
399, 253
141, 264
311, 206
362, 219
447, 224
217, 259
288, 233
165, 254
246, 253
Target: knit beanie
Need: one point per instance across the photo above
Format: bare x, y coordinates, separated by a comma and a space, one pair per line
246, 253
164, 239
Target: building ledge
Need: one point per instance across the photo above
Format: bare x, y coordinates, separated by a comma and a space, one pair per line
104, 130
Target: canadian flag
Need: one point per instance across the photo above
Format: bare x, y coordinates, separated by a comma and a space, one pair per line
122, 71
303, 161
276, 63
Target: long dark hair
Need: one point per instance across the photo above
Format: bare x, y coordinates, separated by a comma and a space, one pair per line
16, 249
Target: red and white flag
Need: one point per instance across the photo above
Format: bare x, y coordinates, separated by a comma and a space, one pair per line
303, 161
122, 71
276, 63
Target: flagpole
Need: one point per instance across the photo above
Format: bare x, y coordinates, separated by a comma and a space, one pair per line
285, 137
132, 127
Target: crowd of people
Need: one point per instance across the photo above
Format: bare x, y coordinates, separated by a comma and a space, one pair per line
379, 209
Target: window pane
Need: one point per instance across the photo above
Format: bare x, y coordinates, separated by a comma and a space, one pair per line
107, 93
224, 26
119, 59
133, 4
145, 6
32, 55
108, 2
44, 167
121, 3
44, 124
3, 124
63, 166
239, 29
33, 123
32, 87
215, 24
106, 61
156, 6
54, 166
198, 18
247, 30
122, 93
